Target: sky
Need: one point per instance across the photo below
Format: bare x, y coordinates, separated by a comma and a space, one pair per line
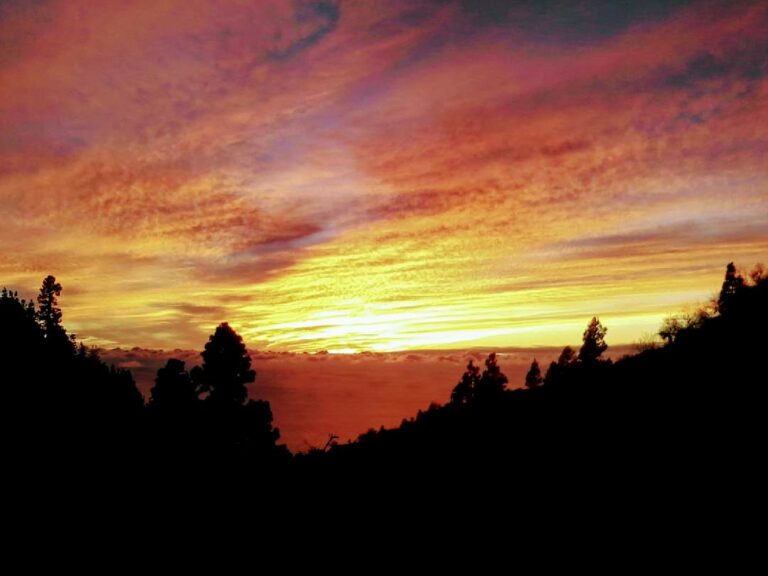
380, 176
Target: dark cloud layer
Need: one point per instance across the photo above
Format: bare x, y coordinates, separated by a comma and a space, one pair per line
571, 20
316, 19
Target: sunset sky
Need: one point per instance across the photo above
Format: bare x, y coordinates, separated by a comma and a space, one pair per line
378, 176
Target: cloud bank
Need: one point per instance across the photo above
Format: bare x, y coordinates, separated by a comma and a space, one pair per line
314, 395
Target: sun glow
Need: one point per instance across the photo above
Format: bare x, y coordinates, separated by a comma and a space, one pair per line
377, 178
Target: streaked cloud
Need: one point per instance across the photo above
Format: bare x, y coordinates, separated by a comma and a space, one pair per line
366, 176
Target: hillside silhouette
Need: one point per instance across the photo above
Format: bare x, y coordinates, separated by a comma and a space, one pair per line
690, 405
685, 411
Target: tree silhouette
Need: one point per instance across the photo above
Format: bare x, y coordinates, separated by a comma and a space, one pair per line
47, 301
567, 357
670, 329
557, 370
732, 285
226, 367
49, 318
594, 342
493, 382
21, 343
173, 389
174, 414
464, 391
232, 426
259, 434
758, 274
533, 379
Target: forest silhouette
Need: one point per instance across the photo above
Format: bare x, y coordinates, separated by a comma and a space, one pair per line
689, 403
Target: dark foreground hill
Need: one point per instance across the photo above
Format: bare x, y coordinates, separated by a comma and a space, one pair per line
687, 416
684, 417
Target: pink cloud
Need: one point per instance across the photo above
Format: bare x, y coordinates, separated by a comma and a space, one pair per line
271, 162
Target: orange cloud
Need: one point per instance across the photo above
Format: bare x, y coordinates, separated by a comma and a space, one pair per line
351, 175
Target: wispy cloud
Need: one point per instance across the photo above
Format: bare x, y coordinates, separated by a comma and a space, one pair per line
379, 176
